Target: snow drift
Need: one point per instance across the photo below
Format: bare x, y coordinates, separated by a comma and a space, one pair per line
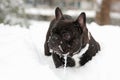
22, 55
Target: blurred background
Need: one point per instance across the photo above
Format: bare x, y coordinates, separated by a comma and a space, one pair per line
103, 12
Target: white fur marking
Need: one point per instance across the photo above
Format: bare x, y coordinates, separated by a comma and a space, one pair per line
65, 65
51, 51
88, 35
49, 38
60, 48
76, 57
65, 57
61, 42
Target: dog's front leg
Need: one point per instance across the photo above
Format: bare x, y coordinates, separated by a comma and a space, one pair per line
47, 52
85, 58
57, 60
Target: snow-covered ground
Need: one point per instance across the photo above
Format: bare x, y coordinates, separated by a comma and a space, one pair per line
22, 55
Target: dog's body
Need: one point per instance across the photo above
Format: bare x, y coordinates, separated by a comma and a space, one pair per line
70, 37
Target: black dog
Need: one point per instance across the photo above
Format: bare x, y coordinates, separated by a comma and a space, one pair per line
70, 38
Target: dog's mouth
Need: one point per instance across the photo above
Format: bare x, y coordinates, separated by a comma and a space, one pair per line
56, 44
57, 49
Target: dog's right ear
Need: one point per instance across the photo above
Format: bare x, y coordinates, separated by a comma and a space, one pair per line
58, 13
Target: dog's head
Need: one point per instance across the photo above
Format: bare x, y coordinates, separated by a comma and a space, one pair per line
67, 35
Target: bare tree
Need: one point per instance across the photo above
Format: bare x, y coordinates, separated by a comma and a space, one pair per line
103, 15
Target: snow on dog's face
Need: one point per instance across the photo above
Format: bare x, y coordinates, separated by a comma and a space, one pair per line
68, 35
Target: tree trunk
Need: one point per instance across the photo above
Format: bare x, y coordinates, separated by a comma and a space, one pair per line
103, 16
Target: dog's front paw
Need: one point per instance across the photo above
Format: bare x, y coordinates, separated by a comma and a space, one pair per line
47, 53
57, 60
70, 62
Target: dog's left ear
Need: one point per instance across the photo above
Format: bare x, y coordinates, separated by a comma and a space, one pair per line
82, 20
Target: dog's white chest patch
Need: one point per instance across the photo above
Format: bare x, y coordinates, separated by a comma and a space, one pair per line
77, 57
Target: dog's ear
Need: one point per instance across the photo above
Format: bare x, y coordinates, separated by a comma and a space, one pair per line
58, 13
82, 20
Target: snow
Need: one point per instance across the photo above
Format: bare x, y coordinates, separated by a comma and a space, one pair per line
39, 11
22, 55
90, 13
99, 1
50, 12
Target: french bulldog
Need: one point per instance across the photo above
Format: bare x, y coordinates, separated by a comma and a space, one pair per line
70, 38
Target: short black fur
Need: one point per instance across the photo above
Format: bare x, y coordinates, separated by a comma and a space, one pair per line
68, 36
